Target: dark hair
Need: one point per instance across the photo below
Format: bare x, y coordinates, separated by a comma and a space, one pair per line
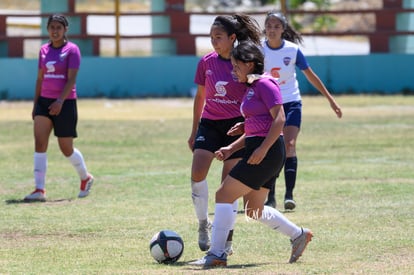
244, 26
248, 51
289, 33
58, 18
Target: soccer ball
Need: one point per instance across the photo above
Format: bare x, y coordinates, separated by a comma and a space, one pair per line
166, 247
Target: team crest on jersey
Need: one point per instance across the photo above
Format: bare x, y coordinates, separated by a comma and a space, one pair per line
286, 60
62, 56
234, 76
221, 88
209, 72
250, 94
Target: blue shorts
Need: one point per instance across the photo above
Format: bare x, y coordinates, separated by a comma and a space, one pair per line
64, 124
212, 135
264, 173
293, 113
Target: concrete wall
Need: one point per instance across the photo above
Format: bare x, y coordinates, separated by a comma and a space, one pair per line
173, 75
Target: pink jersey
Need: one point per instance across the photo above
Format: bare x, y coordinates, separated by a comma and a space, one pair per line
223, 91
55, 64
260, 97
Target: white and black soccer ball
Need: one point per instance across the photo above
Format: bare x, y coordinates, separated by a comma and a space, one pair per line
166, 247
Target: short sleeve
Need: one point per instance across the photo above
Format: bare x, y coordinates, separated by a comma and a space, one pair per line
301, 61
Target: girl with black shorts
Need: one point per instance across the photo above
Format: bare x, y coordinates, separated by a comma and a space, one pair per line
216, 110
264, 156
55, 106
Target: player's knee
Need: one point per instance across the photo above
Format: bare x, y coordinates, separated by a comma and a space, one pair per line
290, 148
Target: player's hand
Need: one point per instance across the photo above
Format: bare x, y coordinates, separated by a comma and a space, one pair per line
190, 143
336, 108
236, 130
223, 153
55, 108
257, 156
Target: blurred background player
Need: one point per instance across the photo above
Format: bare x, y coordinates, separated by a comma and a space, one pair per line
55, 106
282, 56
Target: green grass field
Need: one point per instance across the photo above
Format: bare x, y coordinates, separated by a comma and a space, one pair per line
355, 190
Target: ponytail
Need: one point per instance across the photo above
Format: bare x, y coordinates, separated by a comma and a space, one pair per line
248, 28
243, 26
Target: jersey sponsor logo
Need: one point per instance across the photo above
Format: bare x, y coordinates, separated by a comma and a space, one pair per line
234, 76
275, 72
223, 101
54, 76
286, 60
51, 66
221, 88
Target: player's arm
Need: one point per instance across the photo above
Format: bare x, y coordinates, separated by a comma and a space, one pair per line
318, 84
313, 78
199, 101
224, 152
236, 129
275, 130
72, 74
56, 107
38, 88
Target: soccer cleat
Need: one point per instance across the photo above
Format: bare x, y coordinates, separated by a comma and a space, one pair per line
212, 261
199, 262
228, 249
299, 244
85, 186
36, 195
203, 235
290, 204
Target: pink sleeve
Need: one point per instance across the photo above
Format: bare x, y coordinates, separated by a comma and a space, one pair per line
74, 58
200, 75
270, 93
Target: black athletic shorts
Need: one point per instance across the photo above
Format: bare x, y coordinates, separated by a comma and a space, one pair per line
64, 124
260, 175
212, 135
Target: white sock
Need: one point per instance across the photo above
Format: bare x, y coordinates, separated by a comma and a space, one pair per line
277, 221
235, 206
39, 171
223, 215
79, 163
199, 194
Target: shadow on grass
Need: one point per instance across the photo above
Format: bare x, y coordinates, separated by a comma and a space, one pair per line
235, 266
22, 201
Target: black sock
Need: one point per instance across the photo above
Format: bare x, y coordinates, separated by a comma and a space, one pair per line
271, 195
291, 166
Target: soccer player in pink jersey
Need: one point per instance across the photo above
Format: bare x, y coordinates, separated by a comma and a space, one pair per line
216, 110
282, 56
55, 106
263, 158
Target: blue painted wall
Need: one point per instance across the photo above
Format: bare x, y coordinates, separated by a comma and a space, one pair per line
374, 73
173, 75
